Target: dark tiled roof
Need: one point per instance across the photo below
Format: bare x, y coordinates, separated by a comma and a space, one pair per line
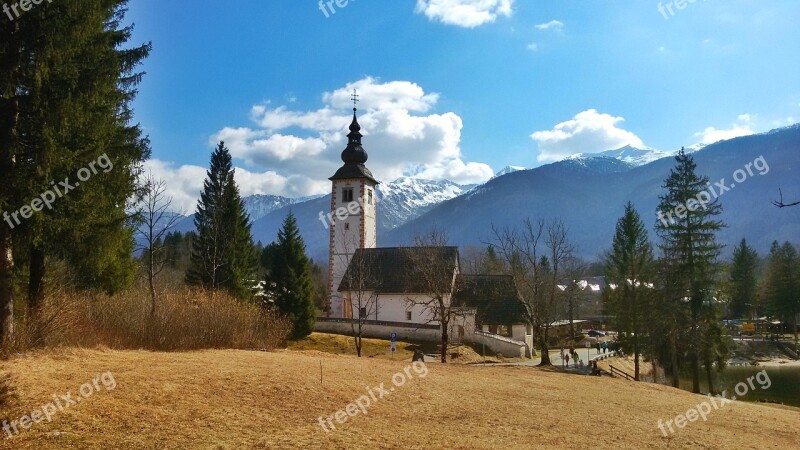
353, 171
494, 296
398, 270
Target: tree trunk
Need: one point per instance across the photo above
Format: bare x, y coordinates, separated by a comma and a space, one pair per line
635, 340
710, 377
694, 352
151, 279
544, 348
36, 273
676, 373
153, 294
8, 121
445, 340
6, 286
571, 316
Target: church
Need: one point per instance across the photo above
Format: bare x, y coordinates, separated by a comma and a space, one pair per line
389, 290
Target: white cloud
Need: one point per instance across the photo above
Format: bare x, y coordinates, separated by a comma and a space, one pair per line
184, 183
554, 25
465, 13
292, 153
533, 46
742, 127
587, 132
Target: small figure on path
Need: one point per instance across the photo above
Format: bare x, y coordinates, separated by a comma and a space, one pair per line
566, 358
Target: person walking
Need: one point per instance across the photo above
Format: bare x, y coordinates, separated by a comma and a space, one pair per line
567, 360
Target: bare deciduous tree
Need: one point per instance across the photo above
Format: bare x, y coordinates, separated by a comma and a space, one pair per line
535, 255
434, 273
574, 288
156, 221
781, 204
361, 288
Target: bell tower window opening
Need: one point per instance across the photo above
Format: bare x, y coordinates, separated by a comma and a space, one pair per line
347, 195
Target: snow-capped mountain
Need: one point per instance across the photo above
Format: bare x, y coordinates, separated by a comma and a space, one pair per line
509, 169
259, 206
695, 148
589, 194
407, 198
629, 154
399, 201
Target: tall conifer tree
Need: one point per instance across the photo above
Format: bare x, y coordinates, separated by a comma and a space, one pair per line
629, 266
783, 284
291, 272
223, 255
688, 238
743, 282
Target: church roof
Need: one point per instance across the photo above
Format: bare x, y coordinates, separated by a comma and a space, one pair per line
354, 156
396, 270
494, 296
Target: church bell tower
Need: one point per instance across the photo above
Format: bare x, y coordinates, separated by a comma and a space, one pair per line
353, 214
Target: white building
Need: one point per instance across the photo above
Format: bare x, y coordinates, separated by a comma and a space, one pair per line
390, 289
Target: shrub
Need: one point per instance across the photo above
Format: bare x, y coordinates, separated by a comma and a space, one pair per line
184, 320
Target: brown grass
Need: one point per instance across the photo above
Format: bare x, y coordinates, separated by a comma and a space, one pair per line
381, 349
242, 399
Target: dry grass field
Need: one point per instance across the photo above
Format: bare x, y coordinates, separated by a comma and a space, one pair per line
230, 399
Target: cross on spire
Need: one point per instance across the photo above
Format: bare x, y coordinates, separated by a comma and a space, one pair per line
355, 99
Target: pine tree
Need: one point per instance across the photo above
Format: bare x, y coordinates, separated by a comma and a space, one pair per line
783, 284
291, 272
714, 345
492, 264
743, 283
629, 266
223, 255
687, 228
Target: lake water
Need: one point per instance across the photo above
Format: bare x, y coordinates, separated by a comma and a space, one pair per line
785, 386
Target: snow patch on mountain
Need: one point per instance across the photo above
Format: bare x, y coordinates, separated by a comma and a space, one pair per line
509, 169
259, 206
629, 154
407, 198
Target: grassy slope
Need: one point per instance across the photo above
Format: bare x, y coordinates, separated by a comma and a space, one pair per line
381, 349
240, 399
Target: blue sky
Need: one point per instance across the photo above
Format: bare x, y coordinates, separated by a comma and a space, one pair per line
452, 89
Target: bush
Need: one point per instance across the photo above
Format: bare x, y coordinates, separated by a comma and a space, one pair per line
184, 320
